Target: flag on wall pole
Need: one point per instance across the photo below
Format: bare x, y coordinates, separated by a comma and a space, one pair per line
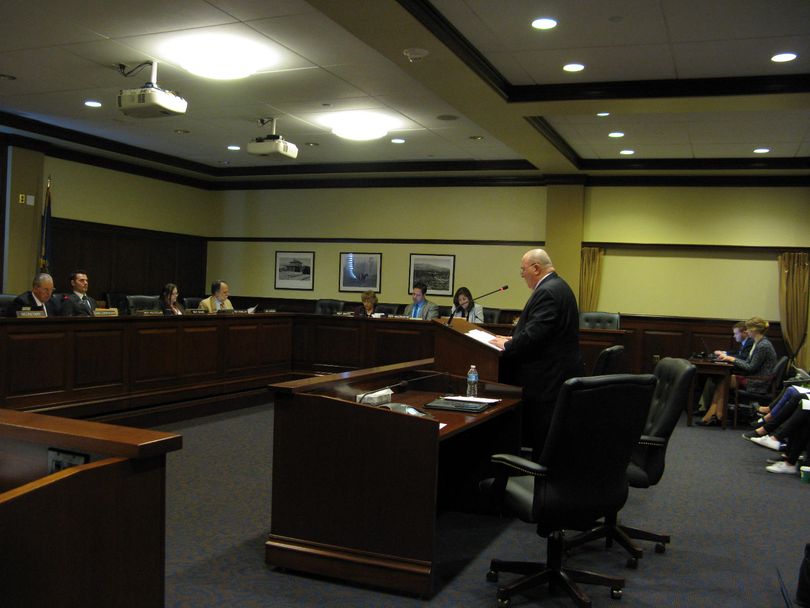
45, 232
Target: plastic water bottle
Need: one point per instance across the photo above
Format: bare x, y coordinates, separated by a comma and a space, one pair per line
472, 382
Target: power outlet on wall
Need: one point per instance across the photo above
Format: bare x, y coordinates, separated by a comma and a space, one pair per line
63, 459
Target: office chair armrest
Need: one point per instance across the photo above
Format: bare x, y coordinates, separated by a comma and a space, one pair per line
521, 465
652, 441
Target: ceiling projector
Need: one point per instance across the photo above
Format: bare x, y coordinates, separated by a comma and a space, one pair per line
150, 101
272, 144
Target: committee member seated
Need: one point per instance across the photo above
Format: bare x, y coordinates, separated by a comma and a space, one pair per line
39, 298
369, 302
218, 299
421, 308
465, 307
78, 303
168, 300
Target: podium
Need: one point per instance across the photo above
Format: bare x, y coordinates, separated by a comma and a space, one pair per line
454, 352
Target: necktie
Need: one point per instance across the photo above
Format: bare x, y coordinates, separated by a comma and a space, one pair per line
86, 302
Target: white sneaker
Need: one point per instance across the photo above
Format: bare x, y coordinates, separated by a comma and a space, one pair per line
781, 467
766, 441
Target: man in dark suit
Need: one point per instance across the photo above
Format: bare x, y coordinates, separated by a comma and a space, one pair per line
544, 346
39, 298
78, 303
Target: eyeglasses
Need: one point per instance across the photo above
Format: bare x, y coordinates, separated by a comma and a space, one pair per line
522, 269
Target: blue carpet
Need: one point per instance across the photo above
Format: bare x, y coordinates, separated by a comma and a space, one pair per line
733, 524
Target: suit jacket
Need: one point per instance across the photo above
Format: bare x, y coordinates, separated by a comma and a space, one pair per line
760, 362
72, 306
208, 304
545, 342
429, 311
168, 311
476, 315
26, 300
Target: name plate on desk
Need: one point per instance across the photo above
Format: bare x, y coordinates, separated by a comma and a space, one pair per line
148, 313
105, 312
198, 311
31, 314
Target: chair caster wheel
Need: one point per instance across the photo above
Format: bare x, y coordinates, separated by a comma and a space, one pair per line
660, 548
616, 593
492, 576
632, 563
504, 602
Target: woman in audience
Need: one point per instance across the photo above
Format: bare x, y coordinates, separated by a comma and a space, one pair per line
369, 302
760, 362
465, 307
795, 432
168, 300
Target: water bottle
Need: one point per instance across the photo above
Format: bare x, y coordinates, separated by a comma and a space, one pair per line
472, 382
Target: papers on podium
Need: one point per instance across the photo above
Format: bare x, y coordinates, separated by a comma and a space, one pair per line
483, 337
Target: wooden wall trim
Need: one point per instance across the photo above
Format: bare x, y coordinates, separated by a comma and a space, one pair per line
680, 247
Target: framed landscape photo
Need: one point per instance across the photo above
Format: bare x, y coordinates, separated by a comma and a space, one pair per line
360, 271
435, 271
295, 270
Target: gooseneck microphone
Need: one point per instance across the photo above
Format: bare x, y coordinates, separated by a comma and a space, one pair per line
489, 293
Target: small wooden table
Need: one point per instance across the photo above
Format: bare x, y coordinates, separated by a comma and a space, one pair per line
722, 371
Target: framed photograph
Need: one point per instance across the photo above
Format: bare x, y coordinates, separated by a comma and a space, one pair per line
435, 271
360, 271
295, 270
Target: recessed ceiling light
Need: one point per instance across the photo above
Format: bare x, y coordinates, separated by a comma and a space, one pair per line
397, 140
627, 152
544, 23
359, 125
447, 117
92, 103
219, 56
761, 150
181, 131
311, 144
234, 148
603, 114
783, 57
616, 134
476, 137
573, 67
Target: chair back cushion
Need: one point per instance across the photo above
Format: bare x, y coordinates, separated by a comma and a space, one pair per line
599, 320
135, 303
675, 377
607, 361
596, 424
328, 307
387, 309
492, 315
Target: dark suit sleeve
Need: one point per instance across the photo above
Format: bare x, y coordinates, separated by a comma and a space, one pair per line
541, 321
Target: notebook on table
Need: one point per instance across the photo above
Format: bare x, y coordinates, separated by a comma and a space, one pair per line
459, 403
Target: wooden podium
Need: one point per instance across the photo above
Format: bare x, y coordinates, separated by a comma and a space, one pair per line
454, 351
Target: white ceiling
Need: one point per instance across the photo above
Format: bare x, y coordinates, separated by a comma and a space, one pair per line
341, 55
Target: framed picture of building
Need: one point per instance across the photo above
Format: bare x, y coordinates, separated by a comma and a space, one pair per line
360, 271
295, 270
435, 271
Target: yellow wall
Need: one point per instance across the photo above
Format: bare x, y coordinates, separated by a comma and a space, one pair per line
23, 236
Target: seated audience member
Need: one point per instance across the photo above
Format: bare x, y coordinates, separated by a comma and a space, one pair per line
421, 308
760, 362
218, 299
78, 303
795, 433
39, 298
745, 343
782, 409
465, 307
168, 300
369, 301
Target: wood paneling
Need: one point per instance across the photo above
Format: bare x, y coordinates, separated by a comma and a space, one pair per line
36, 362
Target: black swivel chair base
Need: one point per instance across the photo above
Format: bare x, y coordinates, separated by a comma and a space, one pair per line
624, 535
552, 574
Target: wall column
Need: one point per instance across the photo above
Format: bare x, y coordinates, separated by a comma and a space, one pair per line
565, 207
23, 220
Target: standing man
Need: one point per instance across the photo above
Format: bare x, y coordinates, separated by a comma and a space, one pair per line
544, 346
78, 303
218, 299
39, 298
421, 308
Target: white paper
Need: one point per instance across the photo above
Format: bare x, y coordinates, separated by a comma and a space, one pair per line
802, 389
442, 425
486, 400
483, 337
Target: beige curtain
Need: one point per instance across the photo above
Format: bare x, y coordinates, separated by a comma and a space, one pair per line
794, 291
590, 277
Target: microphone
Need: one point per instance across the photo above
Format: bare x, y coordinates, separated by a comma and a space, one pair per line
489, 293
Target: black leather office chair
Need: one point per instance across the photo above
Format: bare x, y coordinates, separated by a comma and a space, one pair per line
328, 307
647, 464
580, 476
599, 320
117, 300
191, 302
388, 309
136, 303
492, 315
444, 311
607, 361
5, 301
743, 399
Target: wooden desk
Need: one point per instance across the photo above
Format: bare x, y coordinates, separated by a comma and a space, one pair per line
715, 369
89, 535
356, 488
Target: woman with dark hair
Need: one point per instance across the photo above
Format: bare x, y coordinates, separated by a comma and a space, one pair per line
465, 307
168, 300
760, 362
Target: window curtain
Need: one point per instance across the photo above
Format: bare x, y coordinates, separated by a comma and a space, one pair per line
794, 291
590, 278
